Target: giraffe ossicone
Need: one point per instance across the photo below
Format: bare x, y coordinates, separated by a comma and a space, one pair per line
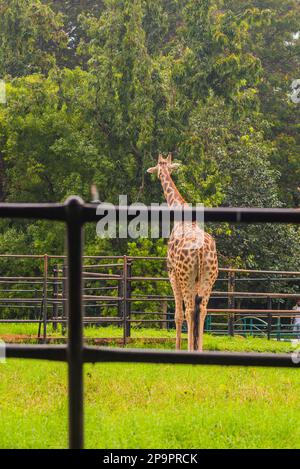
192, 261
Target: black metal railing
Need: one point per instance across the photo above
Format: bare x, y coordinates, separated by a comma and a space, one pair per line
75, 214
244, 301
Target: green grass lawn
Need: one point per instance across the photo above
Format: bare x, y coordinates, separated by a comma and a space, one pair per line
211, 342
155, 406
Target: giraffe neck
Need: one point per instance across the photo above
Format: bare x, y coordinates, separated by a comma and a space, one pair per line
171, 193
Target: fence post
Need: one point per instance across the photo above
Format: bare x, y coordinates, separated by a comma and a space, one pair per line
269, 306
164, 325
55, 297
128, 296
64, 294
120, 294
269, 325
125, 272
75, 321
251, 326
40, 316
207, 324
278, 328
278, 324
231, 302
36, 310
45, 297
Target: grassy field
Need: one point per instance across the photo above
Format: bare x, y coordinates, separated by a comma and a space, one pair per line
211, 342
155, 406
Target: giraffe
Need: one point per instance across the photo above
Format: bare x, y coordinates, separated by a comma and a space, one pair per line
192, 262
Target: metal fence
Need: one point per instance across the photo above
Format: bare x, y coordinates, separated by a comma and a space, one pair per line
244, 302
75, 214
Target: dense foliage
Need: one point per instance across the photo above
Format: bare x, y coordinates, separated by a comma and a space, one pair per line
96, 89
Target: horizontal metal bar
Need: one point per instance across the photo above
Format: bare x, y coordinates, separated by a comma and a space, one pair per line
163, 279
21, 321
86, 320
150, 258
88, 213
91, 297
94, 354
170, 298
94, 266
21, 306
51, 211
243, 271
21, 256
23, 278
222, 214
54, 256
20, 300
225, 294
254, 311
39, 352
260, 279
10, 290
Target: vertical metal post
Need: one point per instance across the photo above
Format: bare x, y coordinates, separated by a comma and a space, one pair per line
36, 310
269, 299
269, 306
231, 302
64, 296
75, 322
269, 325
55, 297
278, 328
40, 318
244, 322
128, 296
251, 326
208, 320
278, 323
164, 325
120, 294
45, 297
125, 300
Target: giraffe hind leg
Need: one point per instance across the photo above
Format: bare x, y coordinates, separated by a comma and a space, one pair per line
202, 316
178, 307
196, 321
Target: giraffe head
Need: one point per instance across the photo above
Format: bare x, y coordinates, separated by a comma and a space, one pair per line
164, 164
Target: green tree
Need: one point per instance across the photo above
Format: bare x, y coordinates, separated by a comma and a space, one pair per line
274, 39
31, 37
124, 112
46, 143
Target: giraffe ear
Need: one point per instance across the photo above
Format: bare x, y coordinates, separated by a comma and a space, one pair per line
152, 170
169, 159
160, 158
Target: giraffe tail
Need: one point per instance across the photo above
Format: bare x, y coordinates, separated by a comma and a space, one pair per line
196, 321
